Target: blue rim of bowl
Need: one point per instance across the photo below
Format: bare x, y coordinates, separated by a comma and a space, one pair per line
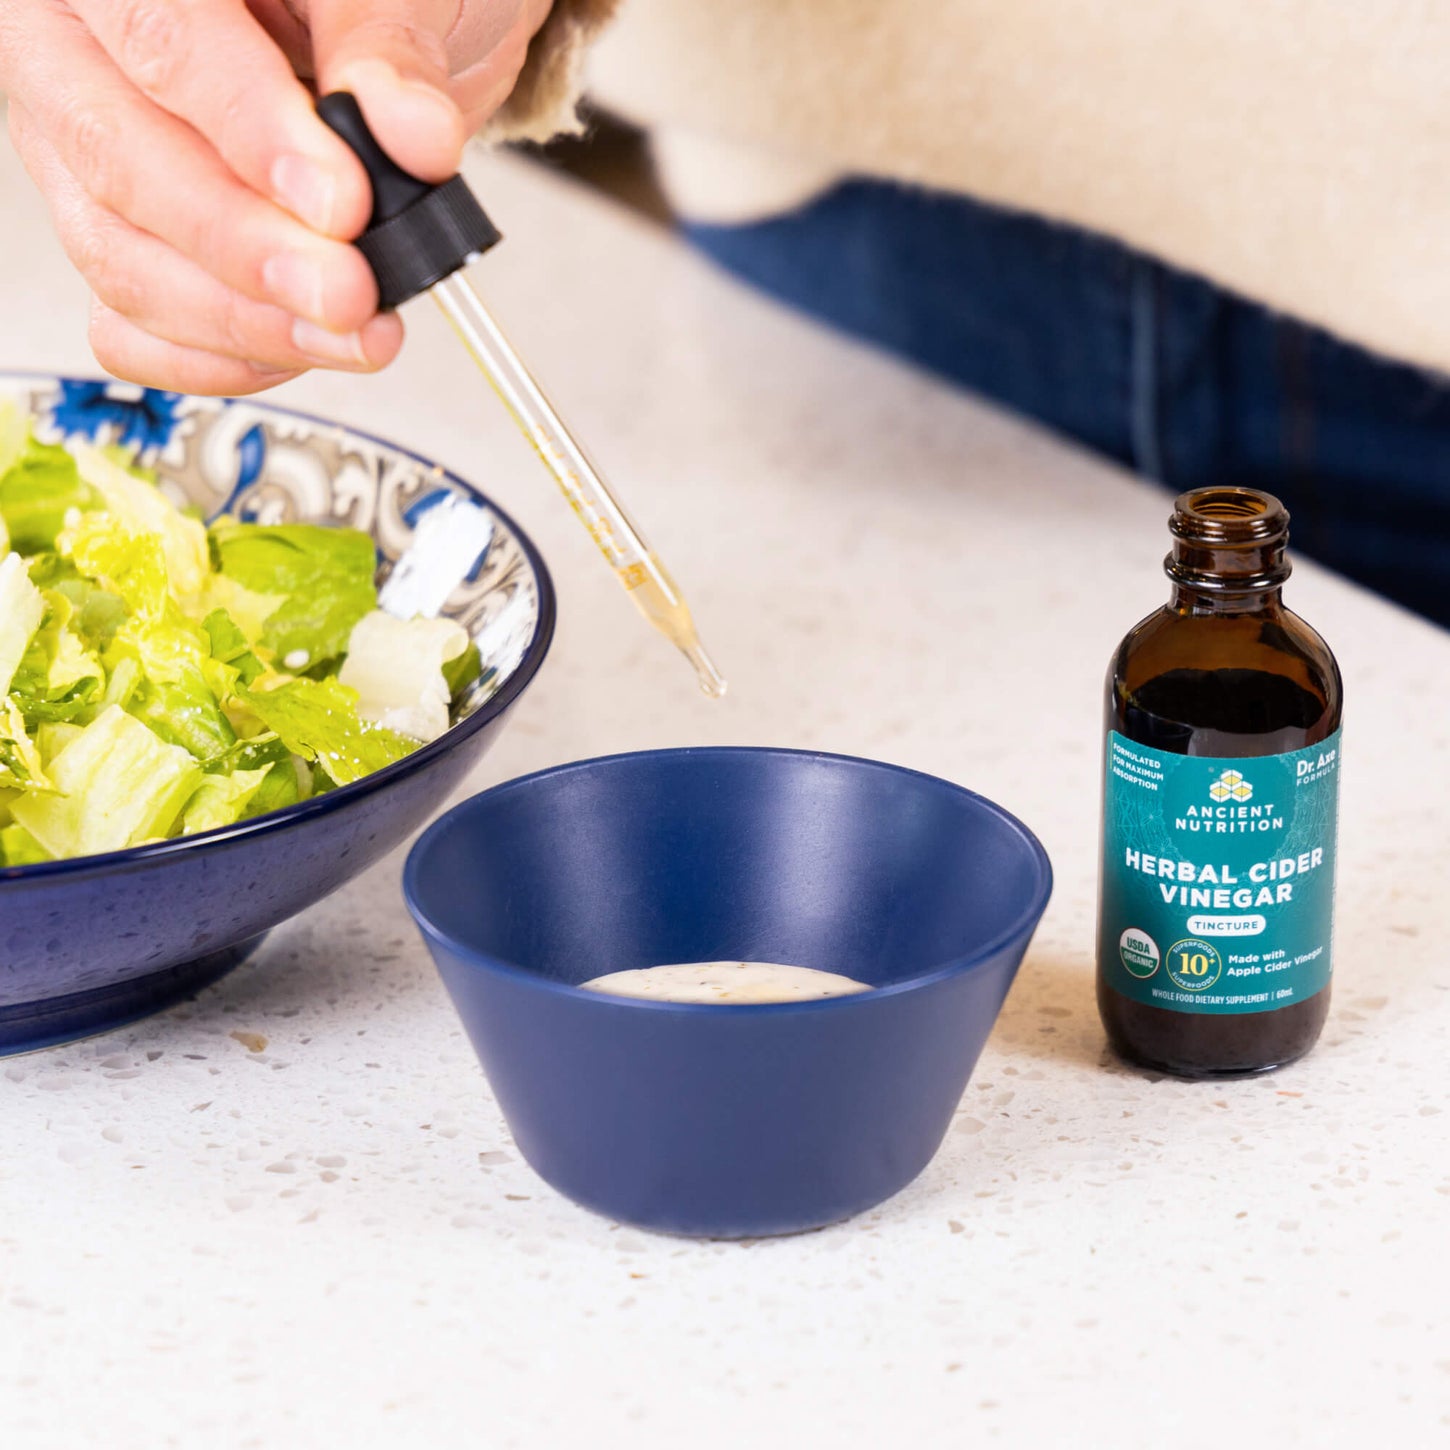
481, 961
341, 795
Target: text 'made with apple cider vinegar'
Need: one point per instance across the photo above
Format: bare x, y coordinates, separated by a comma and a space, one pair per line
1220, 807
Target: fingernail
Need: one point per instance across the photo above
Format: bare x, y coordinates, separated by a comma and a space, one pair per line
307, 189
378, 75
328, 347
295, 282
434, 97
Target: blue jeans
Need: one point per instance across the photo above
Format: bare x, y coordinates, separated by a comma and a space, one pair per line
1183, 382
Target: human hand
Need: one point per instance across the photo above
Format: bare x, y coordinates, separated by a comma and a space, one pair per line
197, 192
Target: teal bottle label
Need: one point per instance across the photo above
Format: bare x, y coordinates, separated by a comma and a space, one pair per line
1218, 876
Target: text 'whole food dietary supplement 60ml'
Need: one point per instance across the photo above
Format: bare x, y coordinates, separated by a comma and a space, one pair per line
1220, 807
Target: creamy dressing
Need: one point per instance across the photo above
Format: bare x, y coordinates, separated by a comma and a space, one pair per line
727, 983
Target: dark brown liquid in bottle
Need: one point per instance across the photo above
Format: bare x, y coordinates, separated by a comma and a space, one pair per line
1223, 670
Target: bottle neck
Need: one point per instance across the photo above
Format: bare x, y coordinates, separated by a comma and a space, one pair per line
1183, 600
1228, 552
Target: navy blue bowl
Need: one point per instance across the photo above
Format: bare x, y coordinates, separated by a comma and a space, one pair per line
719, 1120
91, 943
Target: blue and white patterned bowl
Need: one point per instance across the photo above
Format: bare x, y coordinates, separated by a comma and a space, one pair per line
91, 943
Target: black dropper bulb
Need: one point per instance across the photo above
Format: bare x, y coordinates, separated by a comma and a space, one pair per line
418, 233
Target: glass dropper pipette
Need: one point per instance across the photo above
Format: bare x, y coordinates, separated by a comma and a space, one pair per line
635, 564
418, 239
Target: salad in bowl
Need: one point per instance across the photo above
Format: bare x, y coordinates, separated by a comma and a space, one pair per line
243, 654
163, 676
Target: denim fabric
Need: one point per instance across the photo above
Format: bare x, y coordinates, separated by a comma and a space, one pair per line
1159, 370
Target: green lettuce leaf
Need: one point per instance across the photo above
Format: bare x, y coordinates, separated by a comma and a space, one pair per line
19, 848
248, 610
59, 704
229, 646
184, 712
221, 799
281, 788
176, 690
21, 766
129, 565
323, 576
118, 785
58, 678
36, 491
52, 736
125, 679
22, 609
141, 508
288, 778
96, 613
460, 673
318, 720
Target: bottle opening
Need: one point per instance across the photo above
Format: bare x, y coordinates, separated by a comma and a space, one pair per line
1228, 516
1227, 504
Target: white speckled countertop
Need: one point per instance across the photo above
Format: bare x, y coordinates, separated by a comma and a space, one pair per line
289, 1214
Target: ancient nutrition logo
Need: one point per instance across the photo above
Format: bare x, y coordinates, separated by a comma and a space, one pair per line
1231, 786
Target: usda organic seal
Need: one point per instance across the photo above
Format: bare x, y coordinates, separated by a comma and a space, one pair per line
1139, 952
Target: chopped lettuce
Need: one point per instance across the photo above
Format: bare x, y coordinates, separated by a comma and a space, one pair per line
115, 785
55, 704
324, 577
129, 565
185, 713
318, 720
247, 609
462, 671
53, 736
397, 667
143, 509
158, 677
96, 613
221, 799
39, 485
22, 607
229, 646
22, 767
19, 848
287, 777
57, 678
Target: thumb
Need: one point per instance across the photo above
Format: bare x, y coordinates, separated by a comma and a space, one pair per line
390, 54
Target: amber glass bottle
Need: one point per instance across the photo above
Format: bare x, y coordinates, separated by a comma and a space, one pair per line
1220, 807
